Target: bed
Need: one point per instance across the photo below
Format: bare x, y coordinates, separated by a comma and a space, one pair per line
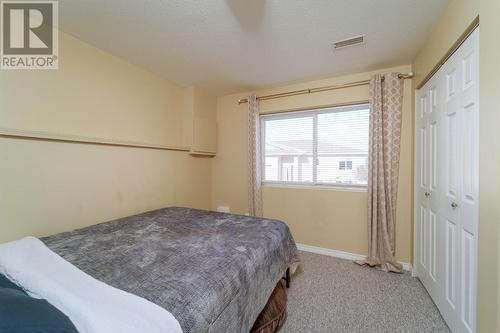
213, 271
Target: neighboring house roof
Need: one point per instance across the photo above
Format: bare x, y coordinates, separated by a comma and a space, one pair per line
305, 147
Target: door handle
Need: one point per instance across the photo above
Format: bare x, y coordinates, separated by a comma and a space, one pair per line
427, 194
454, 205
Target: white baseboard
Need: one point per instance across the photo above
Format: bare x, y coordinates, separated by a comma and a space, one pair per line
341, 254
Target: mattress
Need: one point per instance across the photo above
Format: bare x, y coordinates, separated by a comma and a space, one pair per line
213, 271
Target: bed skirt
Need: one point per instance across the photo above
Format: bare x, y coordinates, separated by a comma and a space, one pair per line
273, 316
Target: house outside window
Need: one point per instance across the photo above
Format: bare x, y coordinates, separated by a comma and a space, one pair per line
345, 165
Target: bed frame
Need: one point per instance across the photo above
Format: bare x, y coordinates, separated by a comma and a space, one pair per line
287, 278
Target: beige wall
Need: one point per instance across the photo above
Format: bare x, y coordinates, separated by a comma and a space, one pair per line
48, 187
320, 217
93, 94
458, 15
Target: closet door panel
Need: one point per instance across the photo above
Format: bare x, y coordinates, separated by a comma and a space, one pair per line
450, 286
469, 167
452, 193
434, 176
451, 141
422, 183
432, 245
423, 238
468, 281
469, 59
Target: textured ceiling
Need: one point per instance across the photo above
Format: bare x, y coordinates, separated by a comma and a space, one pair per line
234, 45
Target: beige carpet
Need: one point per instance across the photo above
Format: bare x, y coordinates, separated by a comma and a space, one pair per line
335, 295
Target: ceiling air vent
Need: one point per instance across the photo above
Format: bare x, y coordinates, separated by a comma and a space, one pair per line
349, 42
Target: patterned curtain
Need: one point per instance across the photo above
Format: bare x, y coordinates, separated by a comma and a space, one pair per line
386, 99
254, 158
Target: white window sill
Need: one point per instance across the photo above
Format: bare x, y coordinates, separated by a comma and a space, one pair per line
339, 188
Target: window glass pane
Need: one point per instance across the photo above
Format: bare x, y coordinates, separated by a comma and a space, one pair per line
288, 149
343, 146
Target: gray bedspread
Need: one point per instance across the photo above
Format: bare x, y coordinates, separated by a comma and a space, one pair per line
213, 271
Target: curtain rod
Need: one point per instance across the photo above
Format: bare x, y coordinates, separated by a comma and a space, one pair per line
320, 89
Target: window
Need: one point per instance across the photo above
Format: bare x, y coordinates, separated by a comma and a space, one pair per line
316, 147
345, 165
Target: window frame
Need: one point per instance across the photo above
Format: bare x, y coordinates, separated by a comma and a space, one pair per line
305, 113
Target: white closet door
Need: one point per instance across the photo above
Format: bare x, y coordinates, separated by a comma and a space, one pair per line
468, 59
450, 216
421, 183
446, 189
427, 179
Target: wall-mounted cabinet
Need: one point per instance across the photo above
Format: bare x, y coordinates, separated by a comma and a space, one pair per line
200, 126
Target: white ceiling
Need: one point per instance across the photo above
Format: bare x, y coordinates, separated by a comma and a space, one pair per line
235, 45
